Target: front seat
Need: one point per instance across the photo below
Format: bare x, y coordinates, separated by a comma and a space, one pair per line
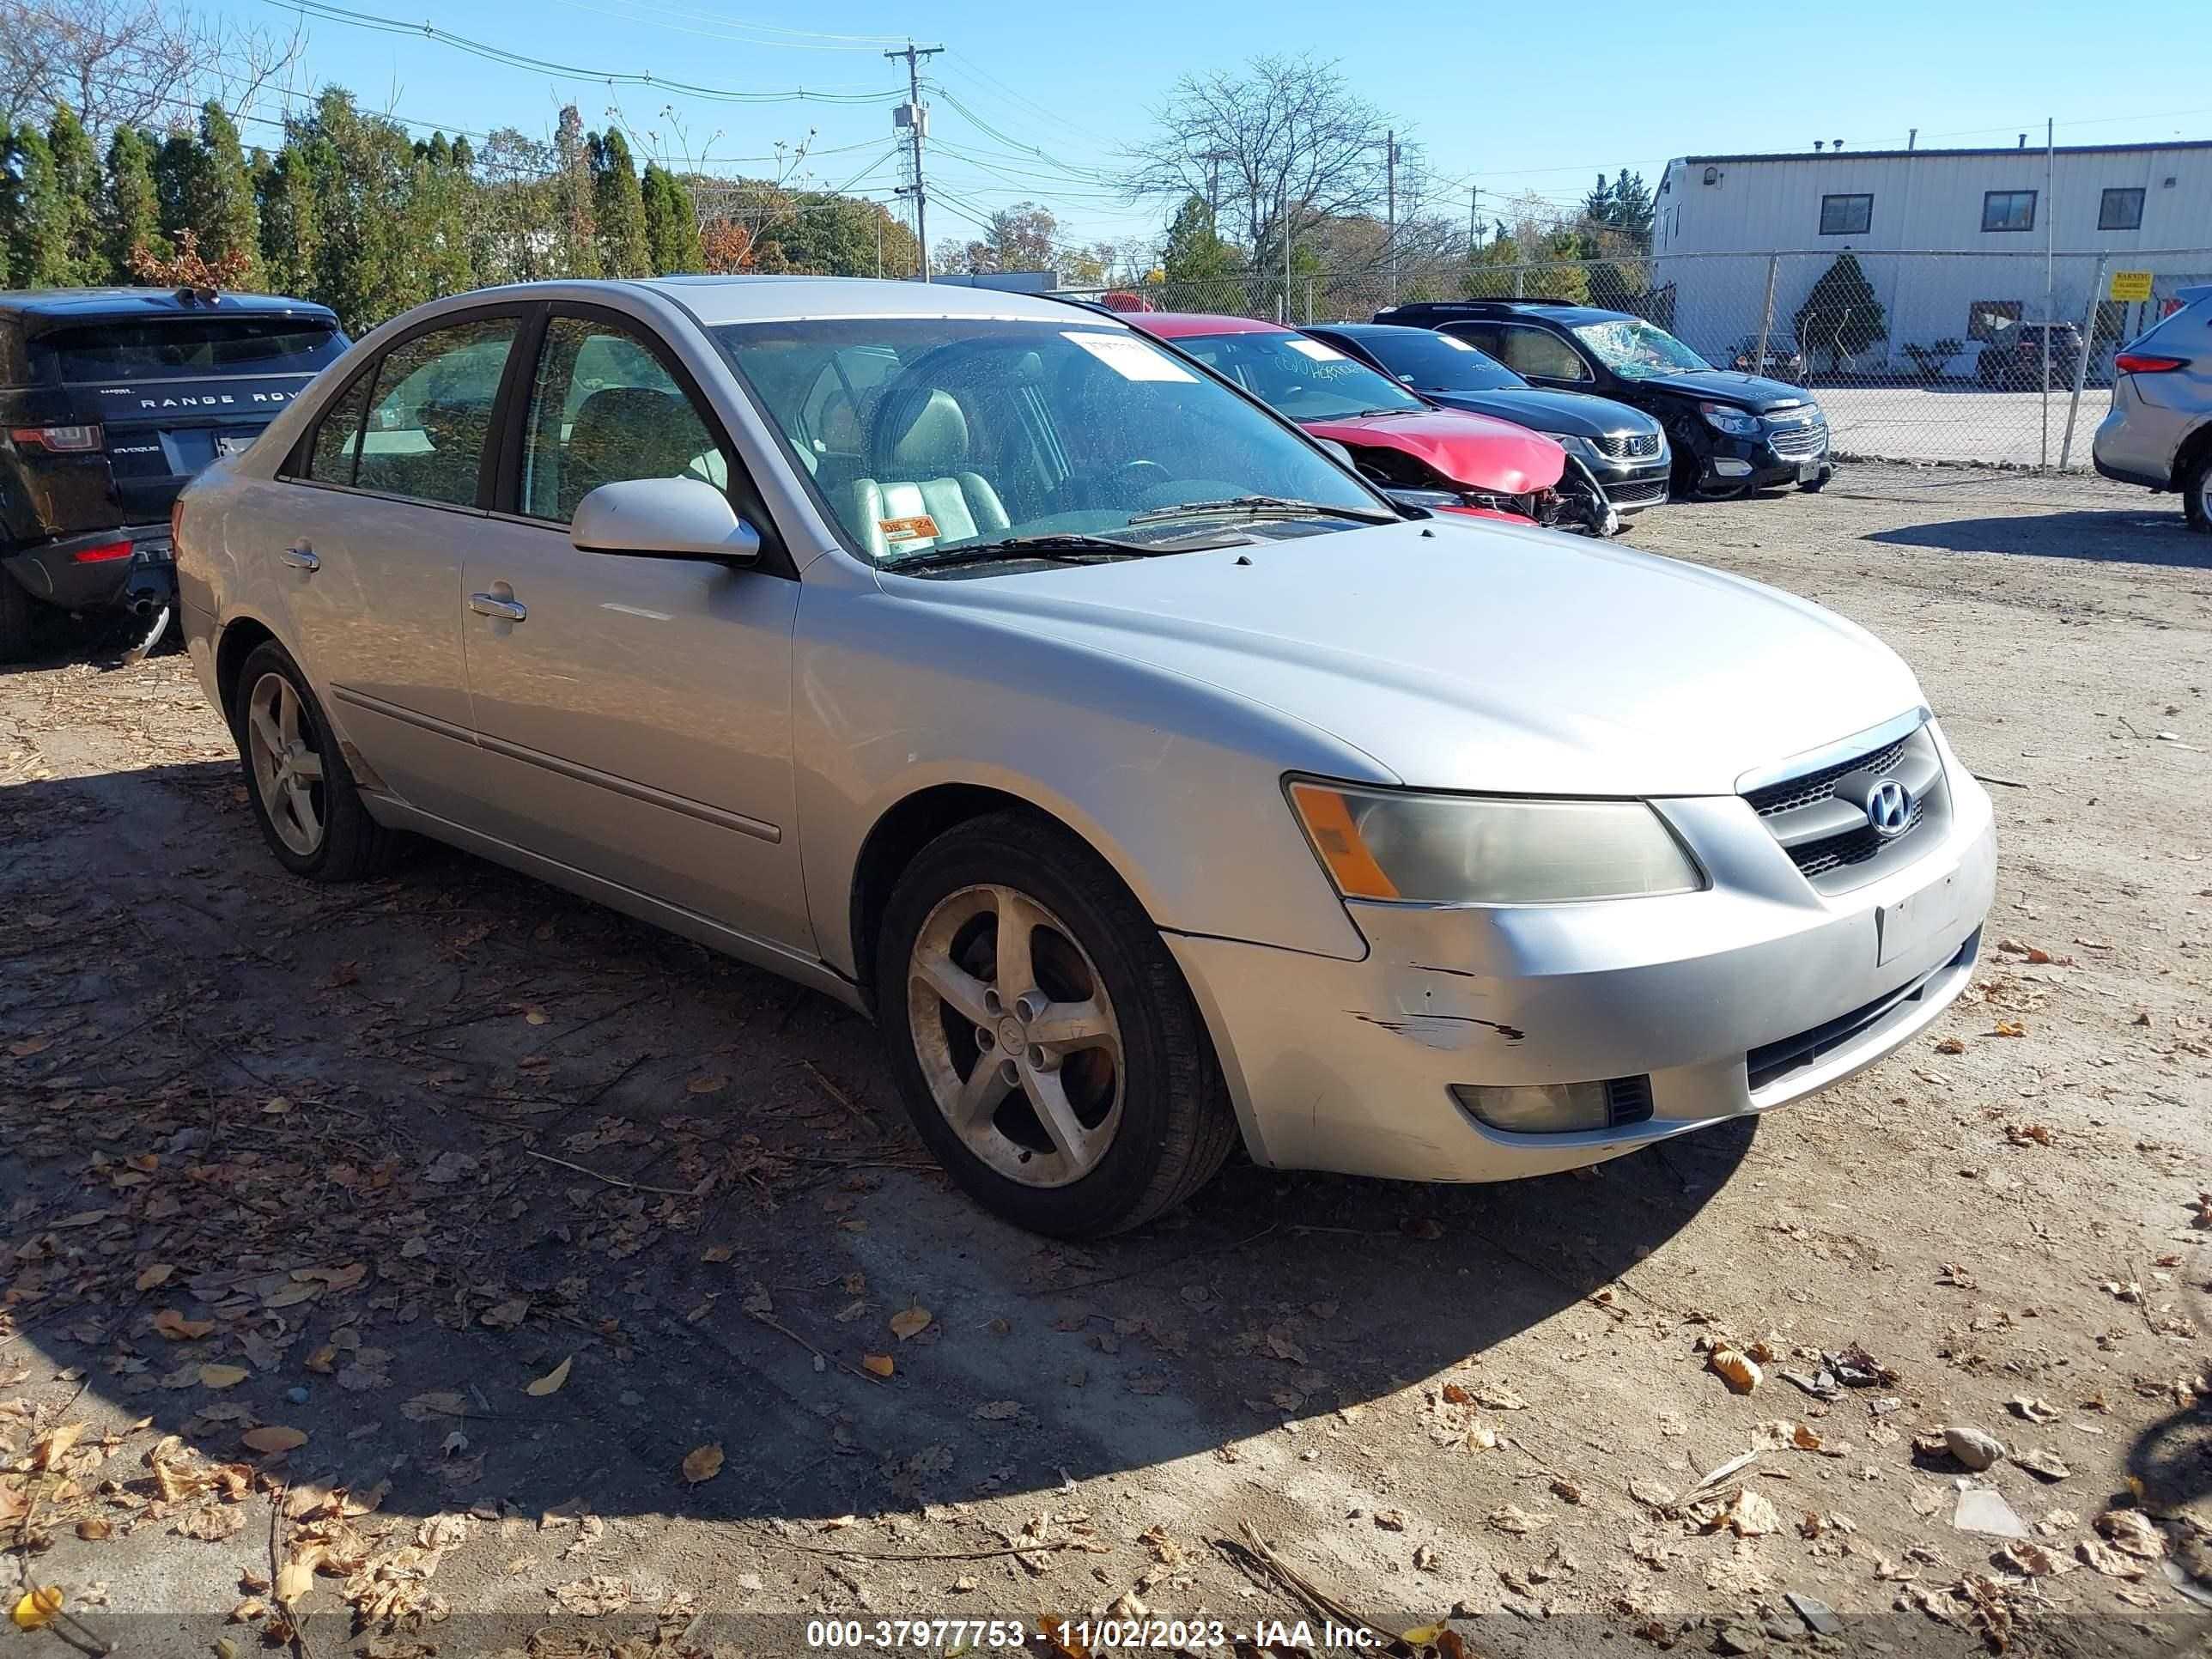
625, 432
920, 492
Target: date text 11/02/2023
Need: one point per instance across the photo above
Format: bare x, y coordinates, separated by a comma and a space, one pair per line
1087, 1635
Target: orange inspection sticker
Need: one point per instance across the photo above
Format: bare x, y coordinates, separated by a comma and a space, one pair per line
919, 528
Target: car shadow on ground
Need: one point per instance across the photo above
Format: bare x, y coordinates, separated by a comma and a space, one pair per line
366, 1163
2153, 534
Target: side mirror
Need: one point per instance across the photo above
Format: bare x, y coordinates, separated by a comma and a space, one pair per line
1338, 451
663, 519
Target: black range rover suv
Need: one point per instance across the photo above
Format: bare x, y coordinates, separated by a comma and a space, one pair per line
1729, 432
111, 401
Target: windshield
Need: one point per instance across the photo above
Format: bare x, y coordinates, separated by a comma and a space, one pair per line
1638, 350
1437, 362
195, 348
1300, 378
923, 435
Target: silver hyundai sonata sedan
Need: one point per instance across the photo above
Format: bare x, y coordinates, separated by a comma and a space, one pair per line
1153, 780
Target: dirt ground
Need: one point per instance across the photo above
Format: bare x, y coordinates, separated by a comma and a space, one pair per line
619, 1311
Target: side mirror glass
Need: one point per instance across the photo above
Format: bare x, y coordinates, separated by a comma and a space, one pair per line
663, 519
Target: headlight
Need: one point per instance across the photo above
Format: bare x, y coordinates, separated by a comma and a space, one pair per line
1460, 849
1733, 421
1570, 443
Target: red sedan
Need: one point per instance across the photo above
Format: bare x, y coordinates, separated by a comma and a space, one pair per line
1399, 440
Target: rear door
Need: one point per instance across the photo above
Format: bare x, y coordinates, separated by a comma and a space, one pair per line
366, 529
634, 713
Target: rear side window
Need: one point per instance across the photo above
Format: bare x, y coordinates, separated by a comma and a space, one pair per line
1540, 355
337, 439
189, 347
603, 410
14, 371
431, 411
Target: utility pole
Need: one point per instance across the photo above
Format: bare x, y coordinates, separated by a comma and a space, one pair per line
1390, 173
913, 116
1290, 160
2050, 268
1473, 217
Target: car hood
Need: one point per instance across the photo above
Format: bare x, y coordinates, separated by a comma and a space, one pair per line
1471, 450
1728, 385
1576, 413
1463, 655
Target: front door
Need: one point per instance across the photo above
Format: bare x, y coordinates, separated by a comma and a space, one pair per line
370, 525
635, 712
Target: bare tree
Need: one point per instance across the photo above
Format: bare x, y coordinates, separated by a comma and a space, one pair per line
1280, 133
135, 62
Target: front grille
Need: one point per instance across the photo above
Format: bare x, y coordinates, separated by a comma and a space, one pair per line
1624, 496
1820, 785
1798, 442
1628, 446
1820, 816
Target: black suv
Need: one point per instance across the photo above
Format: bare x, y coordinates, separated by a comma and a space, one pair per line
2013, 360
110, 400
1729, 432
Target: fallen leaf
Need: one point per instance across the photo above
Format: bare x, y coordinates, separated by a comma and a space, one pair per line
1749, 1515
551, 1381
1390, 1520
878, 1365
173, 1325
273, 1438
506, 1315
94, 1529
438, 1403
2131, 1530
57, 1443
712, 1085
910, 1321
703, 1464
297, 1575
156, 1276
716, 1253
222, 1377
2009, 1027
1950, 1045
1518, 1521
1739, 1372
39, 1607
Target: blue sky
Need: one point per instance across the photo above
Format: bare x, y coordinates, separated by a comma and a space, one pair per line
1525, 98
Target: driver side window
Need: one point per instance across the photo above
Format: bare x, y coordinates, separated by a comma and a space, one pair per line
1538, 354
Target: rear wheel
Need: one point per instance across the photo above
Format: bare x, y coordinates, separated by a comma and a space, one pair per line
1045, 1044
303, 795
2197, 494
18, 613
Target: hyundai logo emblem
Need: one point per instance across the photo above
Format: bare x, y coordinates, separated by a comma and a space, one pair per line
1889, 808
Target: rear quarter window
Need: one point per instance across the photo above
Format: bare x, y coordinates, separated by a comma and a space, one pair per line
191, 348
14, 370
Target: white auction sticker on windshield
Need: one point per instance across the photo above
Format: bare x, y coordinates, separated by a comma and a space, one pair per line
1129, 357
1317, 351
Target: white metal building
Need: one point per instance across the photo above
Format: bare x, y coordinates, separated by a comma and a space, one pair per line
1983, 220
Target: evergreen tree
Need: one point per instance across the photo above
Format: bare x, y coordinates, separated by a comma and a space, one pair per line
1842, 315
1633, 207
76, 198
671, 228
576, 249
1598, 205
288, 222
131, 210
219, 194
38, 221
176, 171
618, 207
1204, 268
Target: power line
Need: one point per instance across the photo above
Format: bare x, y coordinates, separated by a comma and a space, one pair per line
729, 29
915, 116
500, 55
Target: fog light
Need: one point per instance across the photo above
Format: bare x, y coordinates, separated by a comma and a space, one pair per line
1731, 468
1536, 1108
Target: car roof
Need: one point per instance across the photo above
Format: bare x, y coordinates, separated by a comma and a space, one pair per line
1369, 331
1550, 311
718, 299
1186, 324
79, 304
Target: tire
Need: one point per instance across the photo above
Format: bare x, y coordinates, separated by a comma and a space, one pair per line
1817, 484
18, 618
1147, 1119
345, 844
2197, 494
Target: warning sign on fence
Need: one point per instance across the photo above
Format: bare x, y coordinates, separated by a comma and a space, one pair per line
2130, 285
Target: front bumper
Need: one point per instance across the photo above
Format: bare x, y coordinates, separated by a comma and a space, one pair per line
1758, 462
1631, 486
1753, 993
147, 580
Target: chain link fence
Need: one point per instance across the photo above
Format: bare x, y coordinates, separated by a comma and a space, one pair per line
1978, 358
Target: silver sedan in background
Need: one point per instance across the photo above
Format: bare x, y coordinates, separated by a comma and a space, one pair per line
1154, 782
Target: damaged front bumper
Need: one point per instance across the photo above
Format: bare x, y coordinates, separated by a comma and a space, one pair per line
1699, 1007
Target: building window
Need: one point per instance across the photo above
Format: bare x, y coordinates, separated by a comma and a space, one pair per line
2009, 209
1845, 215
1988, 318
2120, 209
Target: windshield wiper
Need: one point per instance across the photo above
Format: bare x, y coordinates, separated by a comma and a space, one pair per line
1262, 506
1058, 547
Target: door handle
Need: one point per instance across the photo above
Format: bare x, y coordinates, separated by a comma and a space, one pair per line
300, 556
490, 605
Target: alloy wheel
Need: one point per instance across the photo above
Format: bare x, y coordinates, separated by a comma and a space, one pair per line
287, 769
1016, 1035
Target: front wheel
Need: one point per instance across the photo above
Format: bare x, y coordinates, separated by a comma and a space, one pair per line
1815, 484
1045, 1044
